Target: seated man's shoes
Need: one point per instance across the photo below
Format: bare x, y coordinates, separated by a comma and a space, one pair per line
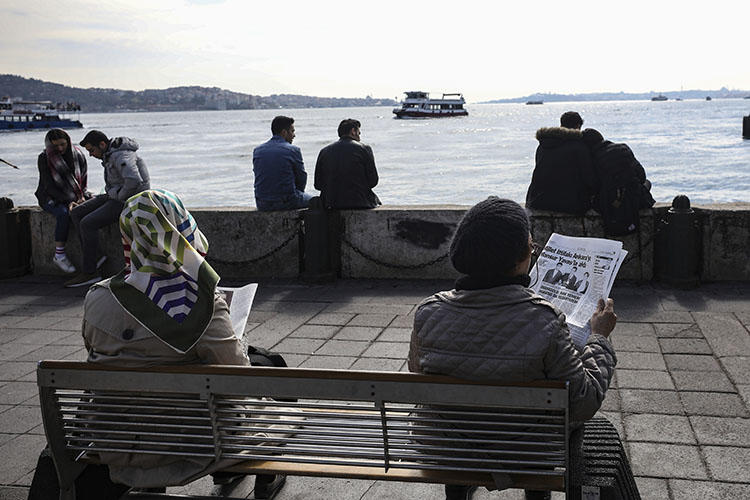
537, 495
224, 478
268, 485
83, 279
64, 264
459, 492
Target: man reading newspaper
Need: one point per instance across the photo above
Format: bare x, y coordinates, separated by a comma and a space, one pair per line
493, 327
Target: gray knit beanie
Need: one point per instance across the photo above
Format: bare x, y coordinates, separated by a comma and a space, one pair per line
491, 239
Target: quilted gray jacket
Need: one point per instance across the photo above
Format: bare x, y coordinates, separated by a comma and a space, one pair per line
509, 334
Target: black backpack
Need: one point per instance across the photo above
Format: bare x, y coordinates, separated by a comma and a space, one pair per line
621, 193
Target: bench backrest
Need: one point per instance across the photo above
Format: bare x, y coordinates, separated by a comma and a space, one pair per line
378, 421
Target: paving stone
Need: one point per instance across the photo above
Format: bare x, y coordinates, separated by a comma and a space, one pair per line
678, 330
51, 352
640, 361
309, 488
684, 346
366, 333
13, 393
403, 491
339, 319
342, 348
744, 391
329, 362
36, 337
69, 324
612, 401
14, 370
315, 331
624, 343
79, 354
381, 320
691, 362
378, 364
37, 322
652, 489
69, 339
394, 309
726, 335
643, 379
13, 350
625, 329
20, 456
653, 316
403, 321
393, 334
659, 428
20, 419
10, 334
397, 350
728, 463
702, 381
738, 368
14, 493
707, 490
666, 460
713, 403
298, 346
295, 360
649, 401
722, 430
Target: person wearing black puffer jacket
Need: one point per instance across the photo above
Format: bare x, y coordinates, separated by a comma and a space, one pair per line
564, 179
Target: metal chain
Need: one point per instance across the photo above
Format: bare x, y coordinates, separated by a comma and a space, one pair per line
265, 255
393, 266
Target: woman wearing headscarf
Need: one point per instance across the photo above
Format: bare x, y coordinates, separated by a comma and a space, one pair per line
62, 185
163, 308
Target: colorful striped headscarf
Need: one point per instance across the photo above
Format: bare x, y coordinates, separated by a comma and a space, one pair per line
166, 285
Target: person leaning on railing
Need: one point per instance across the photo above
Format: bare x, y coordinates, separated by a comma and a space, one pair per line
492, 327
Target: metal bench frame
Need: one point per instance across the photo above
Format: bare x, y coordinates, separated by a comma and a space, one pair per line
357, 424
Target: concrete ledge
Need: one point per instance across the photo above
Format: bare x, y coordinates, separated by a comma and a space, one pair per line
408, 241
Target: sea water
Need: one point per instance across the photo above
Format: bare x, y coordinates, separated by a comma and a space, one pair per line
691, 147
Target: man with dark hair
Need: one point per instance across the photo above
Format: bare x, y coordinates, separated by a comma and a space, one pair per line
125, 174
571, 119
493, 327
279, 171
345, 172
564, 179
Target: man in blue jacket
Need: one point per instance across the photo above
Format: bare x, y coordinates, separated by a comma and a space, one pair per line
280, 175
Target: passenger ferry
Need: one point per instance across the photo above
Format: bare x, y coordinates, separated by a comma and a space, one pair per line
16, 114
419, 105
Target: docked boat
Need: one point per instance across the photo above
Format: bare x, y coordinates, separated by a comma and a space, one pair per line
530, 103
418, 104
17, 114
660, 97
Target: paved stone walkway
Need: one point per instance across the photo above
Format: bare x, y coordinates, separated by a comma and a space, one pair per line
680, 399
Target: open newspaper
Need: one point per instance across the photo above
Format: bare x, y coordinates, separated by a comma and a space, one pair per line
573, 274
239, 301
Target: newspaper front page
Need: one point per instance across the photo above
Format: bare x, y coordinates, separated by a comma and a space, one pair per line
573, 274
239, 300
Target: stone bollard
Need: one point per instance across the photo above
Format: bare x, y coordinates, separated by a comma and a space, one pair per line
678, 246
746, 127
15, 238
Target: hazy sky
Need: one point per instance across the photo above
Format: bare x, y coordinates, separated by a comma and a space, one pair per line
485, 49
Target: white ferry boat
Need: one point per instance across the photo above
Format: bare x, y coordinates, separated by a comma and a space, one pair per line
16, 114
419, 105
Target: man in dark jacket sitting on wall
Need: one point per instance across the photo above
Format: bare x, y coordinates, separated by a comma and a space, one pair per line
345, 172
564, 179
492, 327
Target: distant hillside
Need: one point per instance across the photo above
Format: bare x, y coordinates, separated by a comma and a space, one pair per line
722, 93
171, 99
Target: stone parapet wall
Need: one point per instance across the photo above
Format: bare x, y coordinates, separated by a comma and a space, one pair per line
408, 241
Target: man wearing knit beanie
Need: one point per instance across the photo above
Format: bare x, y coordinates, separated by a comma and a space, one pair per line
492, 323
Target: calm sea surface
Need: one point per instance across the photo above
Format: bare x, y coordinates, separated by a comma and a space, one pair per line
691, 147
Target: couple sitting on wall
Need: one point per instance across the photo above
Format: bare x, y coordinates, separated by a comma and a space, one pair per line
579, 170
345, 172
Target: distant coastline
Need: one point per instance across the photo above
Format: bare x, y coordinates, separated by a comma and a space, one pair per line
722, 93
193, 98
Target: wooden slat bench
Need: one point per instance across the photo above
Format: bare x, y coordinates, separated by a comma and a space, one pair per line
349, 424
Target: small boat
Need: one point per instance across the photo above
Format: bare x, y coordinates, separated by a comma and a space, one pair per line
708, 97
418, 104
16, 114
534, 102
660, 97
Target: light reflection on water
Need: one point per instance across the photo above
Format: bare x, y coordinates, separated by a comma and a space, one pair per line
691, 147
